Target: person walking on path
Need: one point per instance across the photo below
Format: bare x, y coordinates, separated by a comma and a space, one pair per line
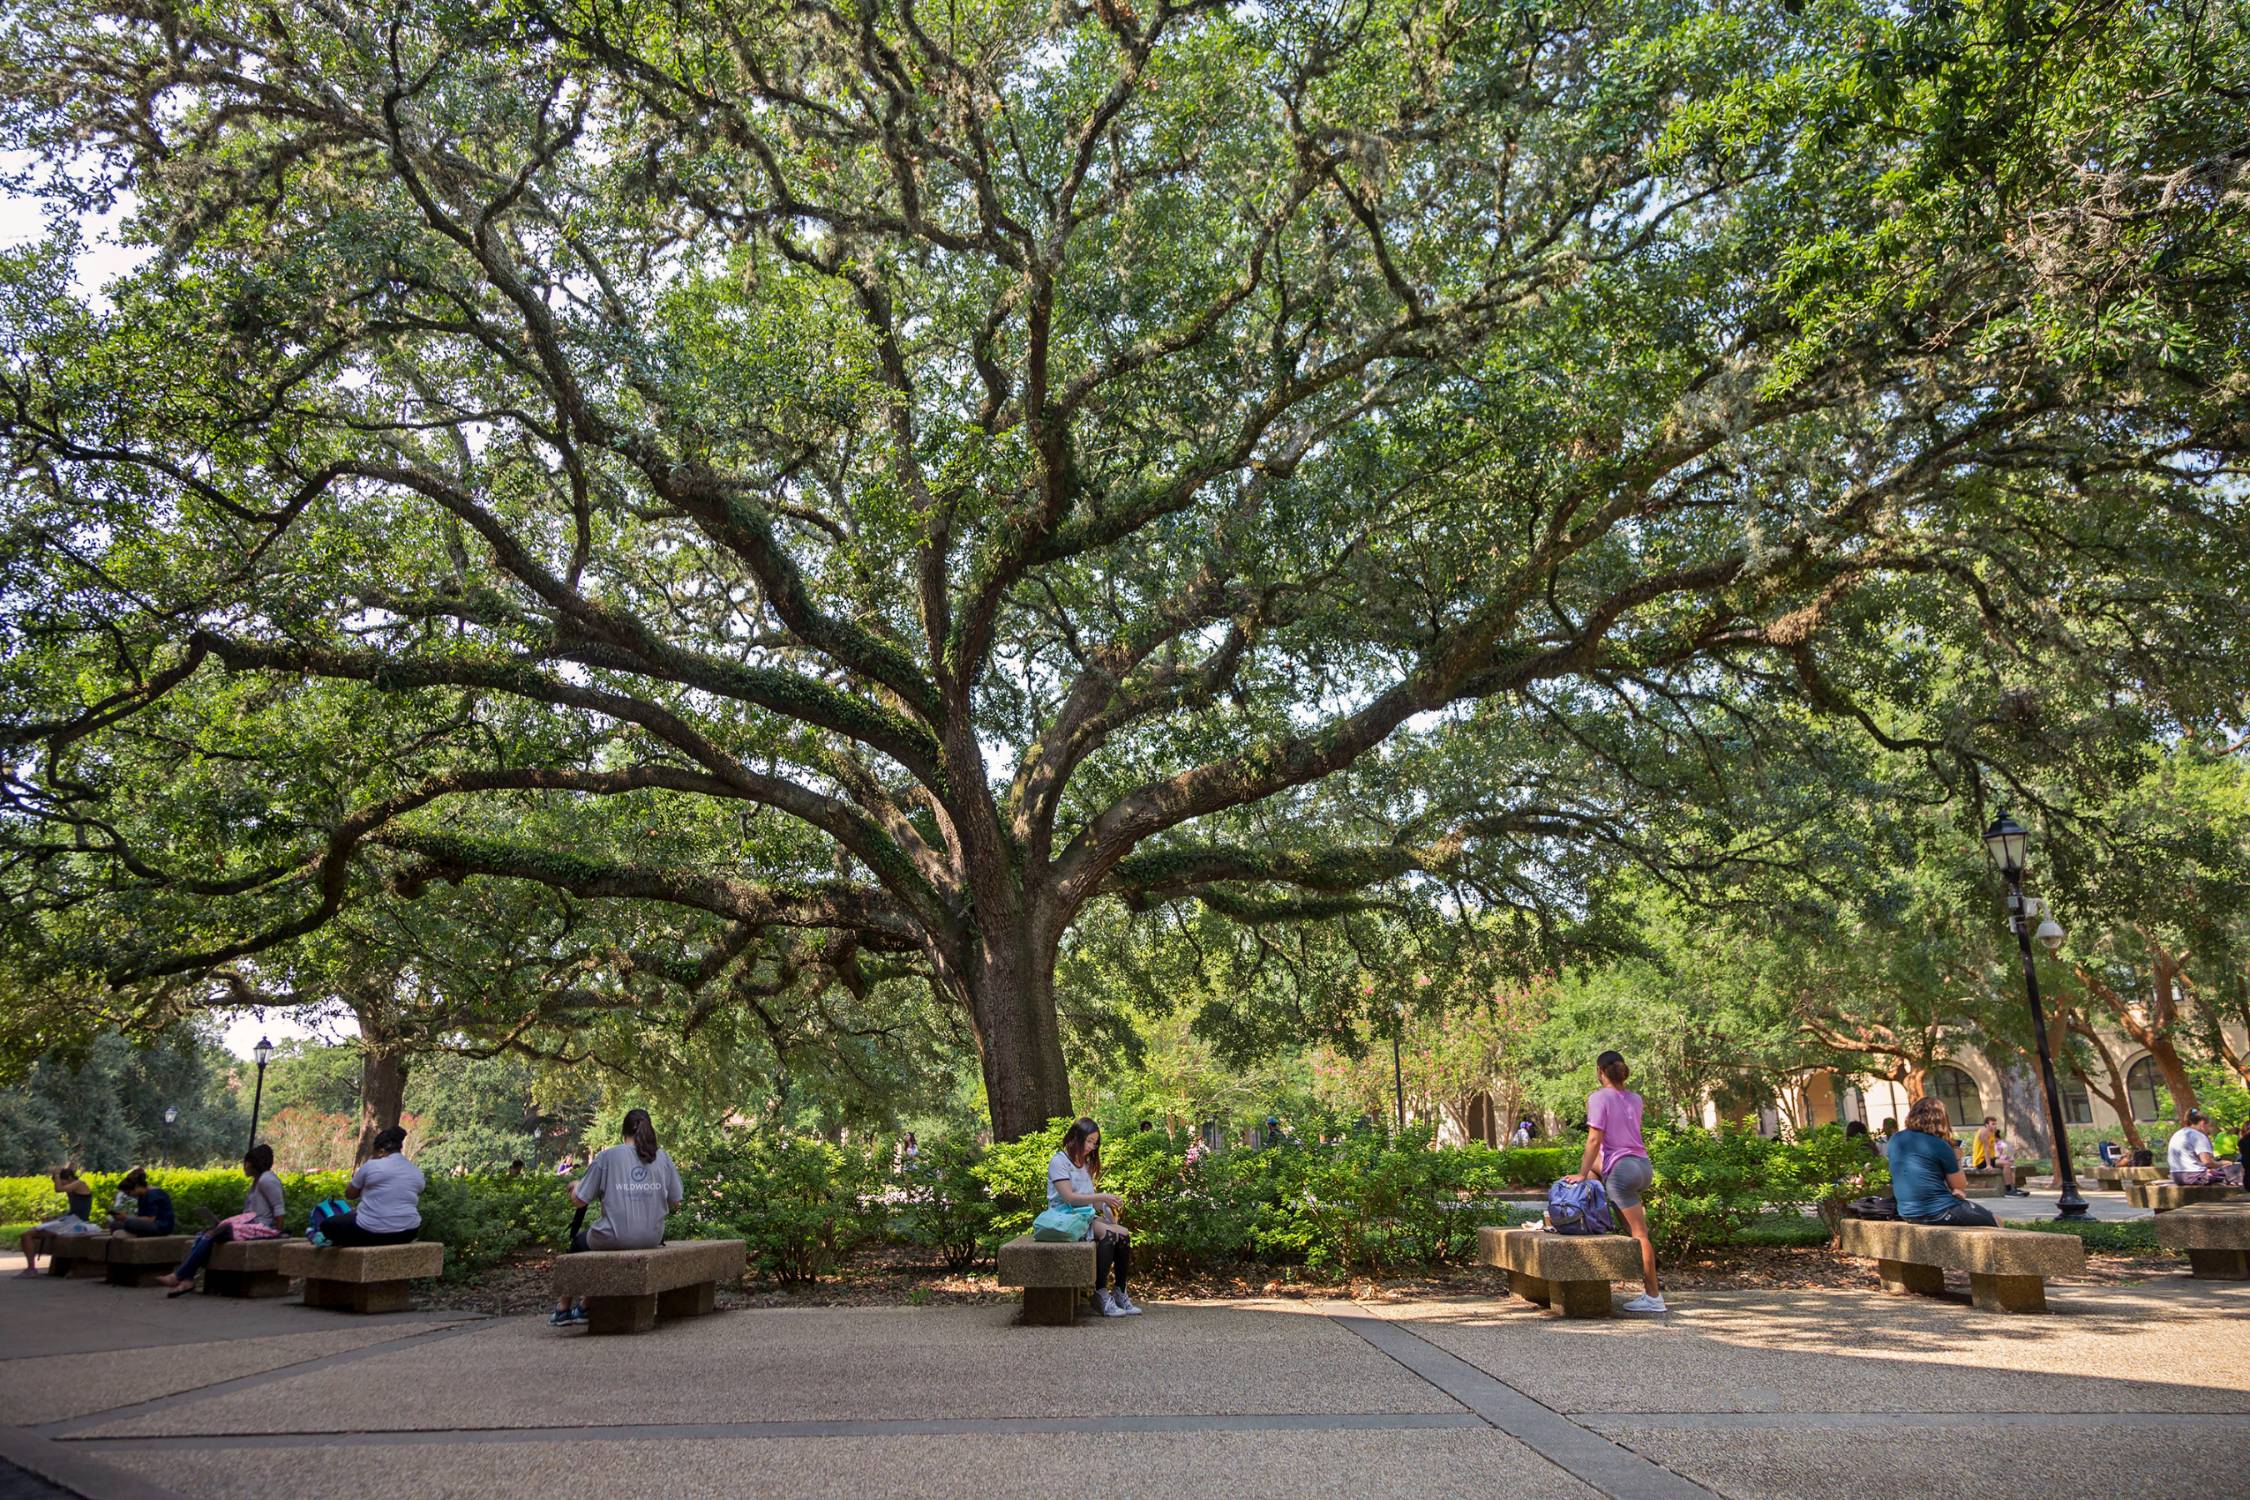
1072, 1176
1616, 1152
260, 1219
386, 1193
636, 1184
77, 1218
1926, 1175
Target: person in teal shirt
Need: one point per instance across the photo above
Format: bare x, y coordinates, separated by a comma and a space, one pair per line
1926, 1172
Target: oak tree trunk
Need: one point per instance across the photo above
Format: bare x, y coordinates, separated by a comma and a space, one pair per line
382, 1094
1009, 980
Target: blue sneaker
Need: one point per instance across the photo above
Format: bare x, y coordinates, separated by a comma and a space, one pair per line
562, 1317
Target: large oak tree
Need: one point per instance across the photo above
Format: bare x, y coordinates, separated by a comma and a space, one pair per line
840, 487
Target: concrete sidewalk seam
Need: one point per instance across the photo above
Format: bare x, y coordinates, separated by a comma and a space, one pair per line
809, 1428
68, 1426
76, 1470
1855, 1421
1589, 1456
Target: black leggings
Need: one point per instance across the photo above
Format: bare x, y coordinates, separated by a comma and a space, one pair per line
344, 1232
1112, 1250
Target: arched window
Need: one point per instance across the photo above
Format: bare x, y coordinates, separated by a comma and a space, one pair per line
2078, 1107
1963, 1103
2141, 1083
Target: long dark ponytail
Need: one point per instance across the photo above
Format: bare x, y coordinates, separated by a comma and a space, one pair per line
641, 1132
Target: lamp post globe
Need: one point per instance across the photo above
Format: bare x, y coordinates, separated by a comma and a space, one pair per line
171, 1113
2009, 847
2006, 843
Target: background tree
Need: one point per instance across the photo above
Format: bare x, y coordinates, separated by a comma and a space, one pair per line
855, 488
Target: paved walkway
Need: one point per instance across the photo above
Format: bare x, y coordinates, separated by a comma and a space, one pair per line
2120, 1392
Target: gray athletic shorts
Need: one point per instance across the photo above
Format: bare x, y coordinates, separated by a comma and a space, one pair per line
1627, 1180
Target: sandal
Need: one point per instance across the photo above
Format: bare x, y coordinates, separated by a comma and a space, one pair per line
179, 1291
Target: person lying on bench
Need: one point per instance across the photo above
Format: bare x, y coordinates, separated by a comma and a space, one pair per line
2189, 1157
260, 1219
636, 1185
154, 1205
387, 1190
1926, 1172
78, 1218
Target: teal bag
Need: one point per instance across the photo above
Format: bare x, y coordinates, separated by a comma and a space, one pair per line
1062, 1224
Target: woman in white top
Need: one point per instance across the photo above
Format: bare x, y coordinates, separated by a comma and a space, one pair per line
1072, 1174
387, 1190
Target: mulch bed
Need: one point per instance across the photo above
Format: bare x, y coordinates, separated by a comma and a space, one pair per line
889, 1277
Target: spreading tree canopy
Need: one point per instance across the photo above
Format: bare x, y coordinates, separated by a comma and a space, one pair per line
818, 493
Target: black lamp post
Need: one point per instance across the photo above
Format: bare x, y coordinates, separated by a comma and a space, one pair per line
171, 1113
263, 1052
2007, 844
1398, 1068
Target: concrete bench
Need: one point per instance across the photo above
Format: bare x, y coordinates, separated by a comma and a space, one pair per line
1569, 1273
82, 1255
2163, 1197
135, 1258
246, 1268
2216, 1237
1984, 1182
1054, 1276
626, 1291
2007, 1268
363, 1278
2112, 1178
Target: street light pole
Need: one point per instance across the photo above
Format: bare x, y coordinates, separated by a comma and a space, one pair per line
171, 1113
263, 1052
2007, 842
1398, 1068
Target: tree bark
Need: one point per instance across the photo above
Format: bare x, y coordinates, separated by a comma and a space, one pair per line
382, 1093
2023, 1105
2155, 1031
1008, 984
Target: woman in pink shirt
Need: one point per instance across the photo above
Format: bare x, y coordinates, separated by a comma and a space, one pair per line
1615, 1150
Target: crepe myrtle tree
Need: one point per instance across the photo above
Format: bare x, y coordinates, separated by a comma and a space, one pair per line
853, 484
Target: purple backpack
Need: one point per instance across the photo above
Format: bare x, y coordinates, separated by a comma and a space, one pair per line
1578, 1207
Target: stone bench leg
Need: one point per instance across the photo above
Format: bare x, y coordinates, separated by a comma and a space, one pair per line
1531, 1288
2227, 1265
245, 1283
621, 1314
1900, 1277
356, 1296
688, 1301
1581, 1299
123, 1275
1051, 1306
2015, 1294
88, 1270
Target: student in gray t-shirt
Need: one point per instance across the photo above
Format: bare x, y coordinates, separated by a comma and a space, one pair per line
636, 1185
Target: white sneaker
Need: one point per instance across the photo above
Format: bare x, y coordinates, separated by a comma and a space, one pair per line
1106, 1305
1124, 1304
1646, 1303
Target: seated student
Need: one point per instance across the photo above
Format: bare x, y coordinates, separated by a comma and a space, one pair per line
1926, 1172
2004, 1157
78, 1218
2189, 1158
1855, 1133
1072, 1175
260, 1219
636, 1185
387, 1189
154, 1206
2108, 1153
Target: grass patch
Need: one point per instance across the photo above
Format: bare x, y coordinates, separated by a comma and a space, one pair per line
2134, 1237
11, 1235
1781, 1232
